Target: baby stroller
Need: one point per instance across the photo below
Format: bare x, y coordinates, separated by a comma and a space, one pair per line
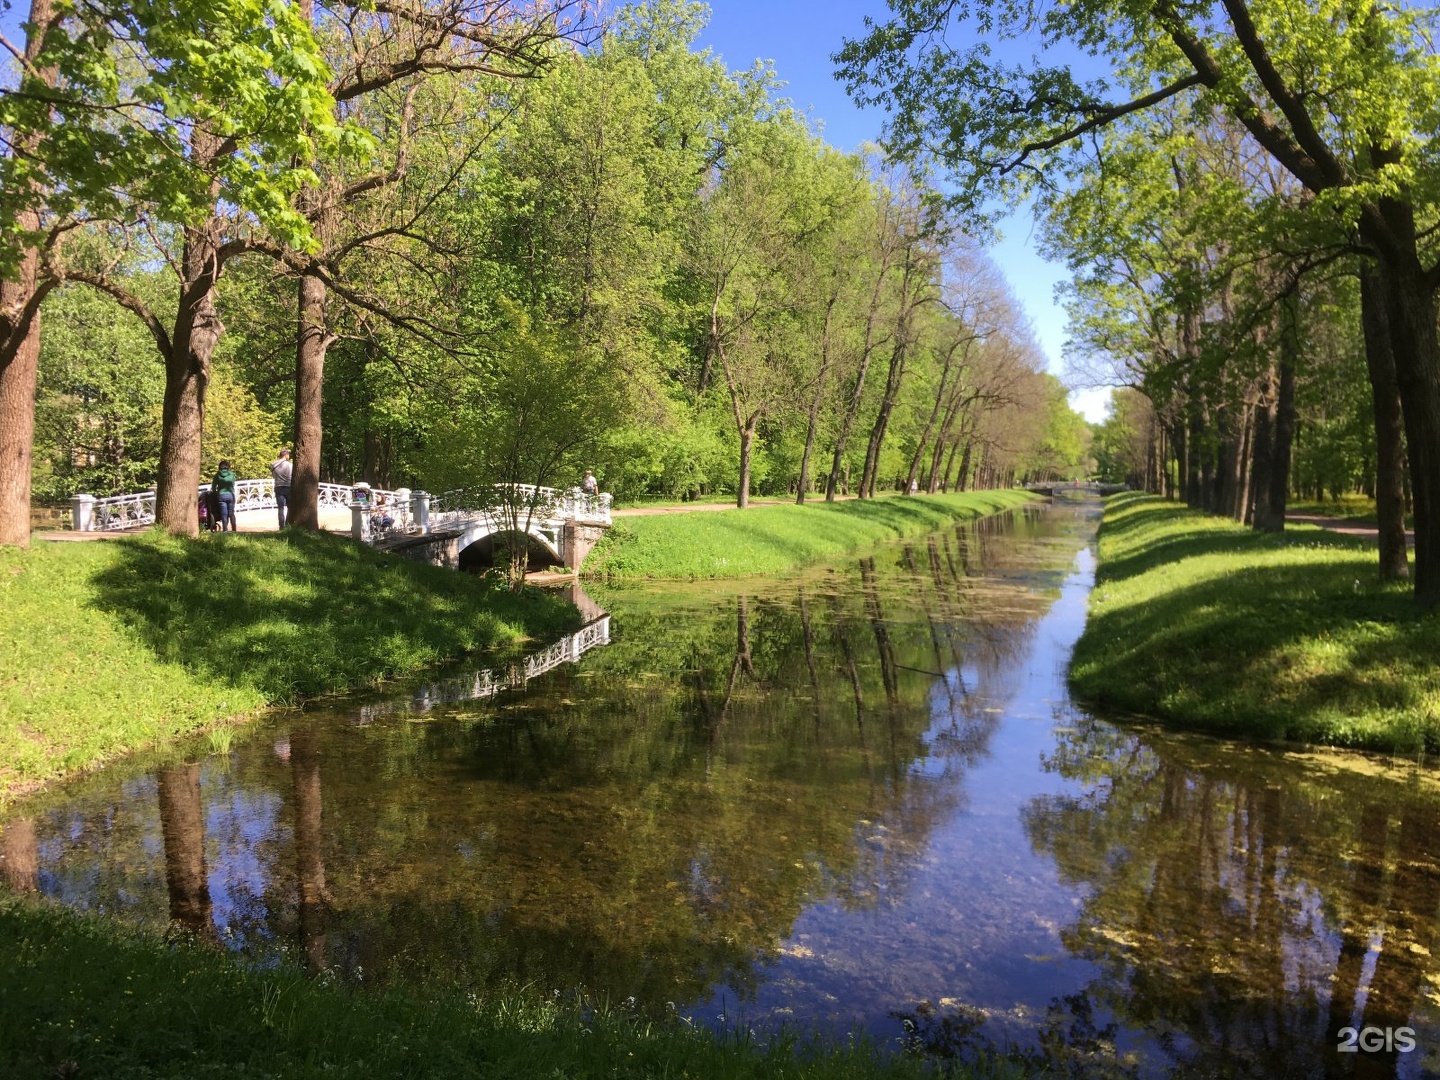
209, 511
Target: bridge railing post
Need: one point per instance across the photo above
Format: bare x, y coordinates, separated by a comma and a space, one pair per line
420, 509
357, 520
82, 512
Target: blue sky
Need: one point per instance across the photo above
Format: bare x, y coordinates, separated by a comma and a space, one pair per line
799, 38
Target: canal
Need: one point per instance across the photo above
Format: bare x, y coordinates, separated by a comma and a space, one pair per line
858, 799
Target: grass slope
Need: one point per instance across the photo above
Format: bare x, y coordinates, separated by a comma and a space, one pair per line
105, 647
1204, 623
93, 999
774, 539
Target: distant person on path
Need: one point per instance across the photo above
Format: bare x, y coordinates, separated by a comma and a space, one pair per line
281, 470
590, 485
224, 488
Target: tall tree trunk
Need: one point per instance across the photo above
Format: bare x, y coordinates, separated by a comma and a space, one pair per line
747, 441
311, 345
1389, 428
882, 419
1410, 301
20, 297
815, 401
19, 363
187, 376
857, 390
1284, 437
1263, 514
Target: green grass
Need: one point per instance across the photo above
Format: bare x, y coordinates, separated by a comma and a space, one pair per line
109, 646
1205, 624
83, 997
774, 539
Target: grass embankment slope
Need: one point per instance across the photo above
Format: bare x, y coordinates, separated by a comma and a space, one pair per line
109, 646
1206, 624
774, 539
82, 998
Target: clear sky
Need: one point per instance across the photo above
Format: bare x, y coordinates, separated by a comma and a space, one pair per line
799, 38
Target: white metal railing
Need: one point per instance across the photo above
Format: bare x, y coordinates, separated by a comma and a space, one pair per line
541, 504
89, 514
488, 682
546, 508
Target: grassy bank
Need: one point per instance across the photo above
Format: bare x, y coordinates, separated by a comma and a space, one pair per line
88, 998
108, 646
1201, 622
774, 539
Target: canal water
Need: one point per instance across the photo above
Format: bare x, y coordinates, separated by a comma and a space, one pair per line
858, 799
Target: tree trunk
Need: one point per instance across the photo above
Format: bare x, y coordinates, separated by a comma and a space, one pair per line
1263, 516
187, 375
882, 420
804, 485
1284, 437
19, 362
20, 324
1410, 302
747, 441
1389, 428
311, 345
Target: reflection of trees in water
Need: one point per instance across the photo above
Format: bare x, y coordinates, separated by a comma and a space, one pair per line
1232, 918
182, 828
652, 823
19, 855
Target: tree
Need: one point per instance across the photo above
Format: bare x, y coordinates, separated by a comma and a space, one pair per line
1344, 100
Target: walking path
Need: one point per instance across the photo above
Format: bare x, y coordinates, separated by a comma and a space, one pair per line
1340, 525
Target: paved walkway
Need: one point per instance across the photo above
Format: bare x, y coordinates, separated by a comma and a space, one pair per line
1340, 525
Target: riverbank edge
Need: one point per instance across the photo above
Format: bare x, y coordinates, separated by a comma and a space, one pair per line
1191, 613
108, 649
96, 998
775, 539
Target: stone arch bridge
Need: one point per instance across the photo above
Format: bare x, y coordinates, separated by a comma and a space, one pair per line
562, 523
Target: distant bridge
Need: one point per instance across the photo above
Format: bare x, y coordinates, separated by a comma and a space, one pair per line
432, 528
1076, 488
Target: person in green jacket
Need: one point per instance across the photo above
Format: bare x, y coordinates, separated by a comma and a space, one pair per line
224, 487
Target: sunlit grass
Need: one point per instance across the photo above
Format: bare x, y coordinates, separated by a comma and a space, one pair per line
105, 647
1356, 509
774, 539
93, 999
1207, 624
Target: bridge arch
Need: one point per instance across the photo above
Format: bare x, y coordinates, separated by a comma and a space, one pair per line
475, 546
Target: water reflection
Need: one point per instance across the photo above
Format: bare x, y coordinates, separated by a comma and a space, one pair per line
858, 797
1246, 907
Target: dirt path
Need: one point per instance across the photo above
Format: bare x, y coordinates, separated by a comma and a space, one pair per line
1340, 525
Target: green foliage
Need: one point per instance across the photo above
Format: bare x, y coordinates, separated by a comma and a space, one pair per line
773, 539
189, 633
1204, 624
138, 92
97, 409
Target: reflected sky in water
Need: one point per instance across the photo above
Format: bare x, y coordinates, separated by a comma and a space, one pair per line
855, 799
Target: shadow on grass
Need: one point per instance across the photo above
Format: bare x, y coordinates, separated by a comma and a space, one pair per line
1142, 532
298, 613
1282, 636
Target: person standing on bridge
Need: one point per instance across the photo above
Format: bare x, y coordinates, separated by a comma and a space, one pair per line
281, 470
224, 488
590, 486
